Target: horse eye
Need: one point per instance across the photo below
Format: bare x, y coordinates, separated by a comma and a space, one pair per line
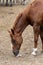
13, 41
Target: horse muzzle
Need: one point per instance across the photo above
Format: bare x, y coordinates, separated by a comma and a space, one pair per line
16, 52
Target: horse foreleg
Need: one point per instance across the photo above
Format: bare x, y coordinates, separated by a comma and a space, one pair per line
36, 29
41, 36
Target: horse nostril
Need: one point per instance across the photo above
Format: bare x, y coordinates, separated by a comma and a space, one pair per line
16, 52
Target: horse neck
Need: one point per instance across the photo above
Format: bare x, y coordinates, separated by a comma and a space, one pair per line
20, 25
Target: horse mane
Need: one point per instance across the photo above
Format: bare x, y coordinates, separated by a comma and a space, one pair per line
17, 19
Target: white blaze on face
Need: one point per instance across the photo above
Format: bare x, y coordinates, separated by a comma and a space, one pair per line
11, 46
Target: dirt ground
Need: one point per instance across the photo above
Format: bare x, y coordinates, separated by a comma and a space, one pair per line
7, 18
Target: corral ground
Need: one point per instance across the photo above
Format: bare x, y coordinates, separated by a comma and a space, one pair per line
7, 18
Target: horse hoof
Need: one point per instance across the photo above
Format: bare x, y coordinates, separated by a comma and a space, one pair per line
34, 53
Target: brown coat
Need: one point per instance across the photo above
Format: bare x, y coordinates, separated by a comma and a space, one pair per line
31, 15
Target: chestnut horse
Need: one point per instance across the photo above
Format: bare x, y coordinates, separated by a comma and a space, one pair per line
31, 15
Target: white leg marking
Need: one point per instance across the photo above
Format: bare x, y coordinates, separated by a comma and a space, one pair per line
34, 51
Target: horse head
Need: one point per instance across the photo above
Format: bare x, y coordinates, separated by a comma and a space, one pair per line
16, 40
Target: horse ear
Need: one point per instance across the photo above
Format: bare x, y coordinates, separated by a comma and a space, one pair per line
9, 31
12, 31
